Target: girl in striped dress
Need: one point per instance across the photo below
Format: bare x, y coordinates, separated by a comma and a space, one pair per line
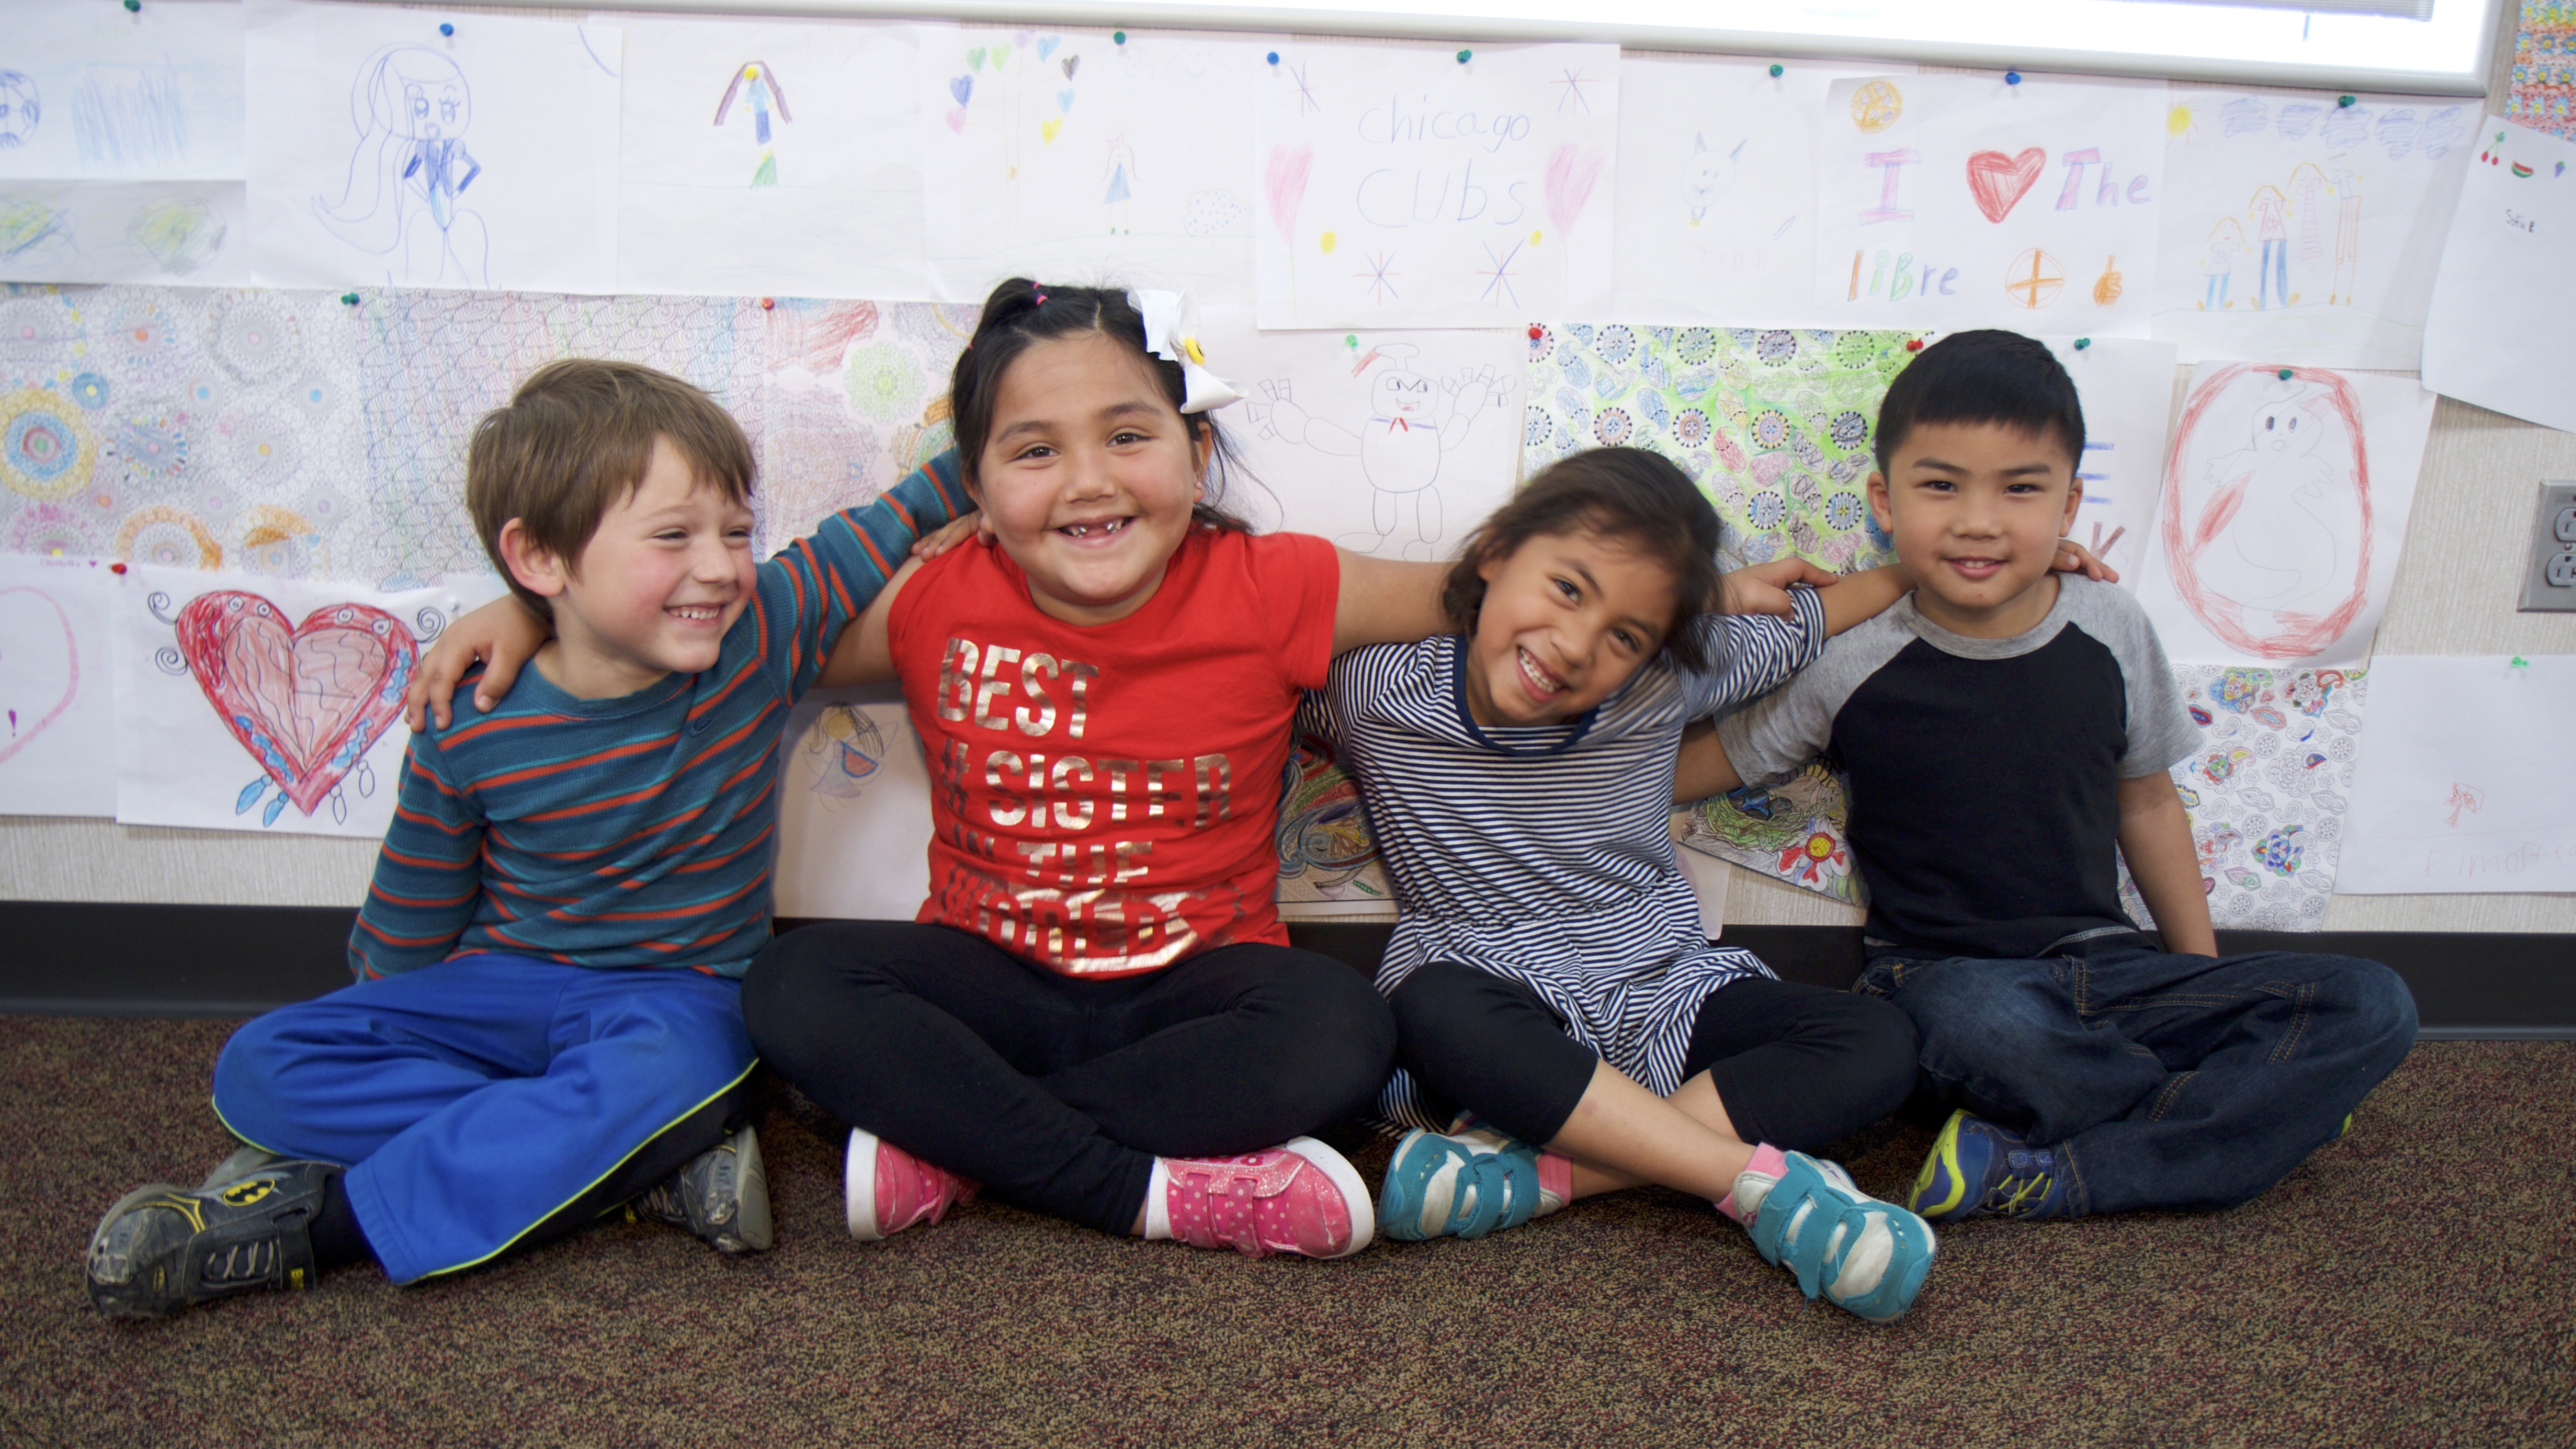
1548, 974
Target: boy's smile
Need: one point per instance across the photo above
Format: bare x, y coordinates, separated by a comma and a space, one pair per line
1976, 510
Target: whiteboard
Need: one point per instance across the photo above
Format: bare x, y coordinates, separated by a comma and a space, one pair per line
2240, 41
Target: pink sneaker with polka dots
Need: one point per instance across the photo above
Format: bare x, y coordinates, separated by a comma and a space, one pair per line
888, 1189
1302, 1197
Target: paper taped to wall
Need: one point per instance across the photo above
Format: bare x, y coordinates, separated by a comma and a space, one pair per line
57, 694
2502, 294
92, 90
2464, 784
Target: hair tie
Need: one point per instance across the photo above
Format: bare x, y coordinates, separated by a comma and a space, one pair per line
1171, 332
1041, 299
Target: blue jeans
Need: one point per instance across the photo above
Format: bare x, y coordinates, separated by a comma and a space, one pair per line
2165, 1081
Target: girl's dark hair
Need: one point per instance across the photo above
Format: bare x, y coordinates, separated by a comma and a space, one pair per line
1628, 494
1020, 312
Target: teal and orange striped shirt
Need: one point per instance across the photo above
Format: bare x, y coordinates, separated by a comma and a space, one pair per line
637, 831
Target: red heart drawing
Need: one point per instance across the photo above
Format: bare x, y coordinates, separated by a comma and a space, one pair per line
307, 702
1998, 181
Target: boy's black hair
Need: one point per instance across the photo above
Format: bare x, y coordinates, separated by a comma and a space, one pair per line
1983, 377
1629, 494
1020, 312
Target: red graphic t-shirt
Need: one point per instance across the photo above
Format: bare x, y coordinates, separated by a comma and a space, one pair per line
1103, 797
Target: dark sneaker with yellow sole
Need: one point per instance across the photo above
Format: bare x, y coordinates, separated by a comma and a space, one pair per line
163, 1247
722, 1195
1979, 1170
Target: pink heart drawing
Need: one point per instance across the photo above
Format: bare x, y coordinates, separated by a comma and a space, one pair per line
957, 120
307, 702
1571, 170
32, 665
1999, 181
1285, 180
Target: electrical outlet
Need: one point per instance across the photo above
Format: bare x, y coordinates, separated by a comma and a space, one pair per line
2549, 584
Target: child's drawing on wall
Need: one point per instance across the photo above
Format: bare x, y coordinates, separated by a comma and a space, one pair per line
2347, 248
1414, 422
758, 86
2218, 263
410, 170
1710, 175
1121, 197
2270, 212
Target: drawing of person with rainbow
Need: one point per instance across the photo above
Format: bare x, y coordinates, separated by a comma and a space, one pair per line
762, 89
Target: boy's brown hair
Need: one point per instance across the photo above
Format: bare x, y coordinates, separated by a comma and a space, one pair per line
574, 441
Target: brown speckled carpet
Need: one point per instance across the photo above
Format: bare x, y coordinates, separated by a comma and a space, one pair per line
2412, 1284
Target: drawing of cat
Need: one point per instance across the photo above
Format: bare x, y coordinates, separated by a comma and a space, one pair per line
1709, 175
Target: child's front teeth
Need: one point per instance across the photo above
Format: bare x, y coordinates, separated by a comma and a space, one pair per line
1083, 530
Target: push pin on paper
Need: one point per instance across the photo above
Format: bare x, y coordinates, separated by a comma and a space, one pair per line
1775, 70
132, 7
446, 29
1119, 37
2285, 374
2083, 342
1465, 56
2343, 102
1537, 333
118, 568
769, 304
2012, 77
348, 299
1274, 57
1914, 344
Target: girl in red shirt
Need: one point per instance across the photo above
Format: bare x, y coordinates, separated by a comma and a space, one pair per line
1097, 1014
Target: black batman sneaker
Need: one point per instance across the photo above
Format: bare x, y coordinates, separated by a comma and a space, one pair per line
164, 1247
722, 1195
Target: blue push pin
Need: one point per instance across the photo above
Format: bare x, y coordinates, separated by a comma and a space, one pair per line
2012, 77
446, 29
1274, 57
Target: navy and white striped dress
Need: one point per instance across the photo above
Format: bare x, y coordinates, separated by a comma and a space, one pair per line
1544, 853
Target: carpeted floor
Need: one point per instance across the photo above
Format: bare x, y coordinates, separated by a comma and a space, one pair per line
2413, 1284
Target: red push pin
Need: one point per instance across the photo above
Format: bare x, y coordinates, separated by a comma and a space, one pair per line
1914, 344
116, 568
768, 304
1537, 332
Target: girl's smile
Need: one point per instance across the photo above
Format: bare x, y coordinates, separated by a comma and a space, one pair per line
1567, 619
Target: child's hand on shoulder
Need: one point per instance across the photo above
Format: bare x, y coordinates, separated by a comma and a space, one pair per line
948, 535
1764, 588
2075, 558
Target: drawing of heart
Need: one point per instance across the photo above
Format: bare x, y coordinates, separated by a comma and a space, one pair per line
1047, 46
37, 683
1064, 100
307, 703
1285, 181
957, 120
1999, 181
1048, 130
961, 86
1071, 63
1001, 56
1571, 171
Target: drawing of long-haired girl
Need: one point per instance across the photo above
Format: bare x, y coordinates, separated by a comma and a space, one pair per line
764, 90
411, 107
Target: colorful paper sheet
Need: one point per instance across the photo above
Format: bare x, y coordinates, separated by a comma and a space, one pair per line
1067, 156
1716, 206
92, 90
267, 704
853, 809
57, 696
2502, 299
124, 231
766, 156
2270, 787
1393, 444
1401, 187
2303, 230
2285, 501
2465, 784
1963, 201
382, 153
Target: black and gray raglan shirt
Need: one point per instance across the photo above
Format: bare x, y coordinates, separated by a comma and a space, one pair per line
1984, 772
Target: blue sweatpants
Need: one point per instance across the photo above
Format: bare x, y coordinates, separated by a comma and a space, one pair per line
488, 1097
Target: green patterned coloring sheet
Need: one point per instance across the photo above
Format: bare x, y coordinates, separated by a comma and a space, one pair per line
1775, 426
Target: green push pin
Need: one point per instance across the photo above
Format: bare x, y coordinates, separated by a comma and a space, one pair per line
2343, 101
2285, 374
133, 6
348, 299
2083, 342
1775, 70
1465, 56
1118, 37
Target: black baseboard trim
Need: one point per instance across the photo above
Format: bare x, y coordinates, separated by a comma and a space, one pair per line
63, 958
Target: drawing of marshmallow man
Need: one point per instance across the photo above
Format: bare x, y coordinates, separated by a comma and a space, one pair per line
1414, 421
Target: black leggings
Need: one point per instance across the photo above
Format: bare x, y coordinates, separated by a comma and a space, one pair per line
1796, 1066
1055, 1092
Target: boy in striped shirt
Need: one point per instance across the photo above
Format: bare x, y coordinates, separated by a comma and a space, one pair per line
546, 1020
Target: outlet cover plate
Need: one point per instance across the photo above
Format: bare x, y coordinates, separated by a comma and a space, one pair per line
2553, 552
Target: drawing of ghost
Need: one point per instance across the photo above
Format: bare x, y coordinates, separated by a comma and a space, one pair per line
411, 106
759, 88
847, 748
1414, 421
1709, 176
2279, 534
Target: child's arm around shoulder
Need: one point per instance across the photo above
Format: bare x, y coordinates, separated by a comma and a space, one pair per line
1385, 602
820, 584
864, 654
428, 874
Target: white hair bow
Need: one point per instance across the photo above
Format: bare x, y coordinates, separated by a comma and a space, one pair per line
1172, 331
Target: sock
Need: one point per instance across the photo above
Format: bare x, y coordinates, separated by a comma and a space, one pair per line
337, 1238
1768, 1161
1555, 1182
1158, 1203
